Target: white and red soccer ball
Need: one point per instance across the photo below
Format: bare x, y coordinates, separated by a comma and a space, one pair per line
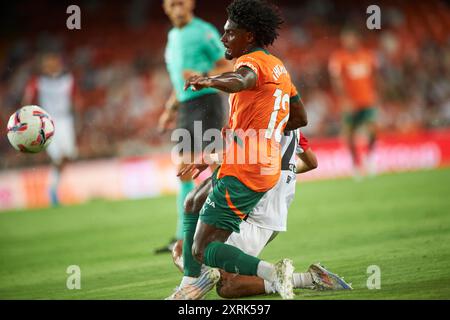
30, 129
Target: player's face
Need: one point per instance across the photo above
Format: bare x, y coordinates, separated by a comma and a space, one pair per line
51, 65
235, 40
349, 40
179, 11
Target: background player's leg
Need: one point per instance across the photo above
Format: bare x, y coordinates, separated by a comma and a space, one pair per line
350, 136
372, 137
371, 127
58, 151
186, 186
352, 146
55, 177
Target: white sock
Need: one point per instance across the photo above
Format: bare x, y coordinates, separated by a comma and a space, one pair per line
180, 263
268, 287
266, 271
302, 280
187, 280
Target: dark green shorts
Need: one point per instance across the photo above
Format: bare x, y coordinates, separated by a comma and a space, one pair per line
357, 118
209, 111
229, 202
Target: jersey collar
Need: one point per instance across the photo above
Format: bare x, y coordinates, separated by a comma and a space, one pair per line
259, 49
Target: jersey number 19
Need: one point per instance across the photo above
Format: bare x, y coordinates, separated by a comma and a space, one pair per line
281, 101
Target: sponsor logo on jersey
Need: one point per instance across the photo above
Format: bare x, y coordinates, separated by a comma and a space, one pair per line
211, 203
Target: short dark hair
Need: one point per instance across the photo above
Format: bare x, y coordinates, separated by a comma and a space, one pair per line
259, 17
350, 29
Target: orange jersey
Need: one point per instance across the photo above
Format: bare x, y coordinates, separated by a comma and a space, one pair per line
257, 119
356, 70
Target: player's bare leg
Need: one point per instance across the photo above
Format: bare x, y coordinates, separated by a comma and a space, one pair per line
350, 136
370, 164
231, 286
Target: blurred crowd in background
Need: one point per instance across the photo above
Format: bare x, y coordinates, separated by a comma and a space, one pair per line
117, 59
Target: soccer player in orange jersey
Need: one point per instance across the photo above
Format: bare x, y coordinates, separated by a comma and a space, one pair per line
352, 69
267, 220
262, 101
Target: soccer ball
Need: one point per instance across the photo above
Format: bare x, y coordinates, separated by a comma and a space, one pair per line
30, 129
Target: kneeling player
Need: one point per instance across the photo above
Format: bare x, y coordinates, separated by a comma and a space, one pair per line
262, 226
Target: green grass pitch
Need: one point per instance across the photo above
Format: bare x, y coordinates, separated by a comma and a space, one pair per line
399, 222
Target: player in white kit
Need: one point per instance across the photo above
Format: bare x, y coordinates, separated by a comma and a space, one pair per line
264, 223
54, 91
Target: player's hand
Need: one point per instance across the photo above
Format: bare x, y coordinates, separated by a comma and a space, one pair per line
198, 83
190, 73
165, 119
194, 169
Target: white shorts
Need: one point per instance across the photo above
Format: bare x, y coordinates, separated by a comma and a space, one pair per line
271, 212
63, 144
251, 239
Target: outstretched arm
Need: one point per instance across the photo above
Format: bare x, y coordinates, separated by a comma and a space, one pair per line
230, 82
